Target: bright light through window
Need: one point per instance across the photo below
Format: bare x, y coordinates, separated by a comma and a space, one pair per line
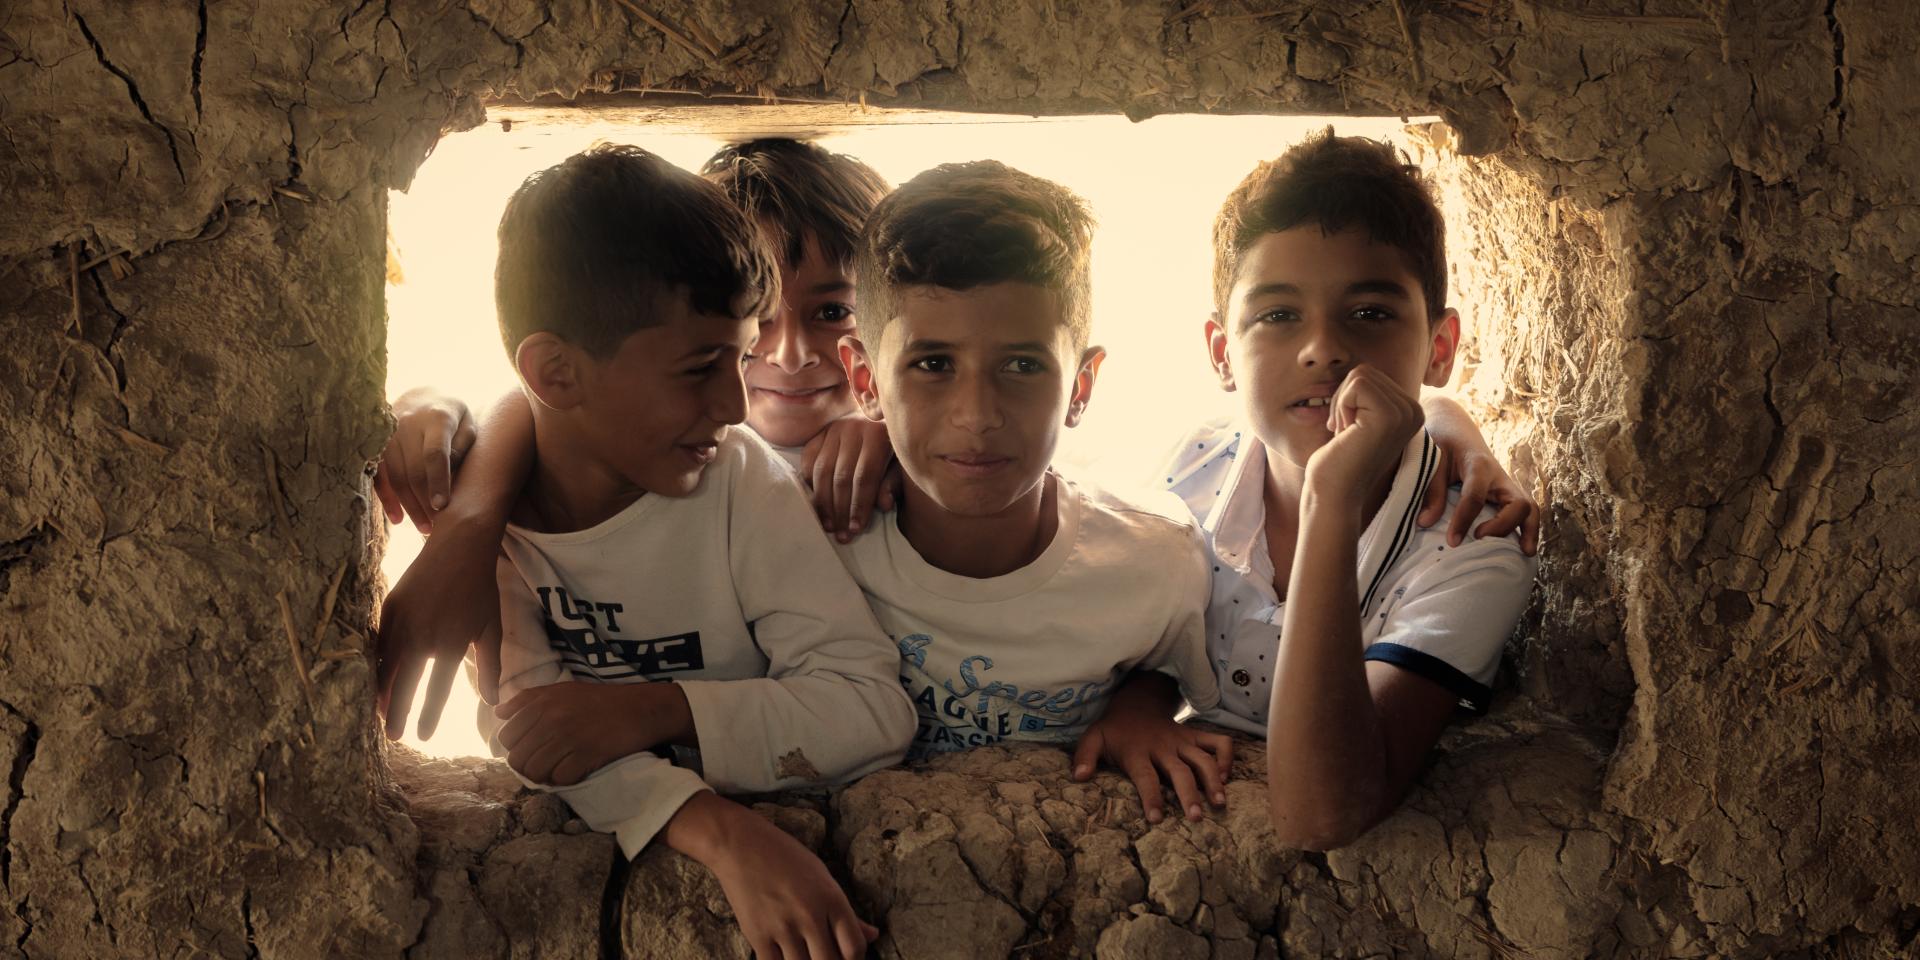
1154, 188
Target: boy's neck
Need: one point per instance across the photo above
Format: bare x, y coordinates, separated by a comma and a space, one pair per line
1281, 494
568, 490
982, 547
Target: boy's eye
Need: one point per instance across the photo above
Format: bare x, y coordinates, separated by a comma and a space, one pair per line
1372, 314
1025, 365
834, 313
932, 365
1276, 315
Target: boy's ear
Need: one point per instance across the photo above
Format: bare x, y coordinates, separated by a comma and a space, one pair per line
1090, 361
552, 369
1446, 341
860, 378
1217, 351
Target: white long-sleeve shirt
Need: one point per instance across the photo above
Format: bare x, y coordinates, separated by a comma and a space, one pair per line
1441, 612
1036, 654
731, 592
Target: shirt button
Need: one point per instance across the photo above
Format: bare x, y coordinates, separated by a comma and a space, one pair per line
1241, 678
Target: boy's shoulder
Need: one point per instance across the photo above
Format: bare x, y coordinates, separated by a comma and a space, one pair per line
1139, 514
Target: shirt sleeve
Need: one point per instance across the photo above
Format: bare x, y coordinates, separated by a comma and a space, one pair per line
1453, 621
1181, 652
831, 707
632, 797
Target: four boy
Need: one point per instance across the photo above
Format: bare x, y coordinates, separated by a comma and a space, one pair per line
658, 597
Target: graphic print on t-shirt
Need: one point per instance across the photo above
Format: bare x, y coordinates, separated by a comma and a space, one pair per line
587, 637
970, 708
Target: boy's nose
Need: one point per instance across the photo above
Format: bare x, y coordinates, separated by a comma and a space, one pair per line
727, 401
788, 349
976, 405
1324, 346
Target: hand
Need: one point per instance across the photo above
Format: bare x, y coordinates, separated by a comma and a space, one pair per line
1482, 481
788, 906
431, 435
558, 733
1372, 418
1137, 734
850, 467
447, 600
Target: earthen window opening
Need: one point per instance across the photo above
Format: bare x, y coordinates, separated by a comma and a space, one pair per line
1154, 186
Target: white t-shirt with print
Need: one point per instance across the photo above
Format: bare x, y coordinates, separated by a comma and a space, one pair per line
1442, 612
1035, 654
730, 591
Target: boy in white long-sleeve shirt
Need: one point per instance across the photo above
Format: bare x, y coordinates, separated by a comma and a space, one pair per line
663, 583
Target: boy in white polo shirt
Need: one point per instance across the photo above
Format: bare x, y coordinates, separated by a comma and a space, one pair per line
663, 583
1337, 626
1019, 597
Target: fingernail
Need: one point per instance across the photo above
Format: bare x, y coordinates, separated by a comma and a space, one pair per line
1082, 771
439, 501
853, 525
842, 537
1153, 816
1194, 812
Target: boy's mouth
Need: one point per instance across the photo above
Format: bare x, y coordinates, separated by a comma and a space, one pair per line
799, 395
701, 453
1313, 402
975, 464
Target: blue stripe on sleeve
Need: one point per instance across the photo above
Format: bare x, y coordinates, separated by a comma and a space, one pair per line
1473, 694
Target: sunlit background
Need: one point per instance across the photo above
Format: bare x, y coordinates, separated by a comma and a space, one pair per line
1154, 187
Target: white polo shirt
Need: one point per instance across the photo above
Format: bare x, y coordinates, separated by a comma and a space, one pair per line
1441, 612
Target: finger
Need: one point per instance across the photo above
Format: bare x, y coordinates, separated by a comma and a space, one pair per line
1087, 754
1435, 503
403, 485
389, 498
520, 702
1473, 496
572, 767
420, 488
1530, 530
891, 486
1147, 783
406, 676
536, 757
486, 660
850, 936
515, 730
820, 941
843, 485
821, 479
810, 454
1206, 772
872, 932
1221, 746
762, 946
869, 472
1192, 801
1509, 519
463, 438
439, 684
439, 469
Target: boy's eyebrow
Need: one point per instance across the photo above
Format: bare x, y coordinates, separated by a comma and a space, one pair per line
830, 286
1390, 288
936, 346
704, 349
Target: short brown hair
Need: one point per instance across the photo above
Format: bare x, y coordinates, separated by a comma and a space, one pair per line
799, 190
1335, 183
589, 246
964, 225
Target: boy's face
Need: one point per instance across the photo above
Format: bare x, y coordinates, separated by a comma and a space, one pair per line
795, 383
1305, 309
974, 386
653, 412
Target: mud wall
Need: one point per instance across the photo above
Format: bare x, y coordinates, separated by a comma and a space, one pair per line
1695, 237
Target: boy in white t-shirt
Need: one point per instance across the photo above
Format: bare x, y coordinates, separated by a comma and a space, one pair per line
1337, 626
1019, 597
662, 582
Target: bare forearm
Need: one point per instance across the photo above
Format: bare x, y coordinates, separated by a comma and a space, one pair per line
1450, 425
496, 468
1326, 769
701, 826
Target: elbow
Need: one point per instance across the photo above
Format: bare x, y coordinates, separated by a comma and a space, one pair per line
1321, 830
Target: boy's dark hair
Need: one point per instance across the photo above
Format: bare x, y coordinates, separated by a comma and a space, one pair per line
1335, 183
964, 225
799, 190
588, 248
